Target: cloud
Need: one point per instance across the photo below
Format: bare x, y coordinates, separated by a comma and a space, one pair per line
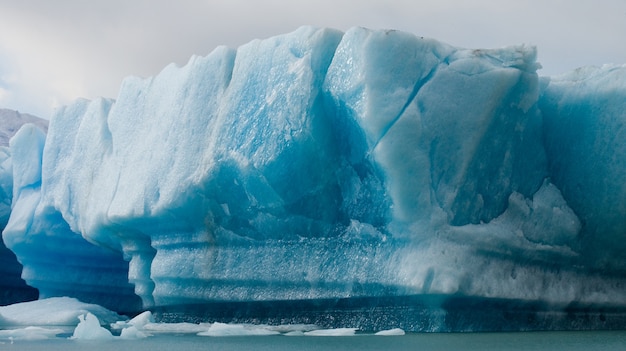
4, 95
62, 50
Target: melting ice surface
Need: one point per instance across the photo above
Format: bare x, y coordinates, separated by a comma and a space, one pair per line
366, 179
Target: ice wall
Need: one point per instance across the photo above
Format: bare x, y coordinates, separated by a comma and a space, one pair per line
585, 112
452, 130
323, 165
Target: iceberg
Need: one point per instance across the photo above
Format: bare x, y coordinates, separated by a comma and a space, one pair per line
370, 180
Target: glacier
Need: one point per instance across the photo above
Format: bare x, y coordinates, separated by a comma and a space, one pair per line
364, 179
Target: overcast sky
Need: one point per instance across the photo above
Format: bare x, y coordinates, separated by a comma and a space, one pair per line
52, 52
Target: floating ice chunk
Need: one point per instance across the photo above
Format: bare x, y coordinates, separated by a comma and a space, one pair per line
56, 311
139, 321
222, 329
142, 319
332, 332
134, 329
391, 332
292, 328
177, 328
30, 333
133, 333
89, 329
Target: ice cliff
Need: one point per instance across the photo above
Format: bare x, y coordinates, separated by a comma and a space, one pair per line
326, 165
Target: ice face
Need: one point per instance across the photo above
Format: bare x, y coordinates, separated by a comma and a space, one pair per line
323, 165
452, 130
584, 113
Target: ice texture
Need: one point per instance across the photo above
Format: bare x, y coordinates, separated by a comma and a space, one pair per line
319, 165
584, 113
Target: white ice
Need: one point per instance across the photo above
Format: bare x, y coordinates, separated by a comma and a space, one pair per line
332, 332
391, 332
30, 333
222, 329
89, 329
56, 311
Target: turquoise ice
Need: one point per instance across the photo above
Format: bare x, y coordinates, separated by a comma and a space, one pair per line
322, 165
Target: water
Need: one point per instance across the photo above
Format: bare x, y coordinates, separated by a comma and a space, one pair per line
570, 341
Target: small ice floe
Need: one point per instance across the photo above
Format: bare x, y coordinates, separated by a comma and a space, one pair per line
139, 321
292, 328
391, 332
222, 329
89, 328
176, 328
30, 333
133, 333
143, 325
135, 327
332, 332
54, 311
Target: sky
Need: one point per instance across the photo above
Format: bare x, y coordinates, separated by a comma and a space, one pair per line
53, 52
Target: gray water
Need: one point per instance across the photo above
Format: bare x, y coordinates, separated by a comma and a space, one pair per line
569, 341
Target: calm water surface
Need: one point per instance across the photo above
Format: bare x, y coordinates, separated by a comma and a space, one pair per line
570, 341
